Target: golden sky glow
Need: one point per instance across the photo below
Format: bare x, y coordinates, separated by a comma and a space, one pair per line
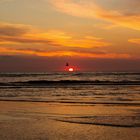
94, 29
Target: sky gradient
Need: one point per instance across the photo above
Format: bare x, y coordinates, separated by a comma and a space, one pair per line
92, 35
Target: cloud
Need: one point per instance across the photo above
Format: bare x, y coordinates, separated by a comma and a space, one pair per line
58, 43
69, 40
18, 34
24, 40
136, 41
90, 9
13, 29
89, 54
25, 34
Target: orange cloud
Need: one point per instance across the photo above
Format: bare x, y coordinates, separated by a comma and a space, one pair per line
7, 29
64, 39
90, 9
22, 34
62, 53
136, 41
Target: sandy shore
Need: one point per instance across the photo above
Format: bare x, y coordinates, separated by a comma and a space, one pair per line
54, 121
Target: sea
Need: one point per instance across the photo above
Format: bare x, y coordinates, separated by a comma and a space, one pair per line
77, 88
84, 87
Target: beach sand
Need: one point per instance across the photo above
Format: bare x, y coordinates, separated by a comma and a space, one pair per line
59, 121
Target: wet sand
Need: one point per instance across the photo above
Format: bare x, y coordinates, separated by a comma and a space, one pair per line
61, 121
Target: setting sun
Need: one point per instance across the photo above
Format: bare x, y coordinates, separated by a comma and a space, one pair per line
71, 69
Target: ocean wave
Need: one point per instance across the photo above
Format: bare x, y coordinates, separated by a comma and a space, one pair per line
43, 83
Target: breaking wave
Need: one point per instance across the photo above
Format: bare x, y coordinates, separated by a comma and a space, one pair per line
43, 83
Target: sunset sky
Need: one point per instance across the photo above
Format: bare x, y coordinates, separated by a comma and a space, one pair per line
92, 35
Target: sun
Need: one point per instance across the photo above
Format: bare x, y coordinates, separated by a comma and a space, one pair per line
70, 69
